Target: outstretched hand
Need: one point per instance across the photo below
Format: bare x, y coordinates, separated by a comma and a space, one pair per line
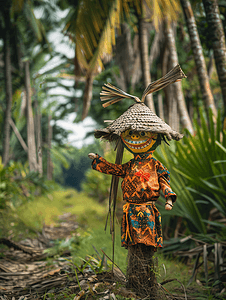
169, 204
92, 155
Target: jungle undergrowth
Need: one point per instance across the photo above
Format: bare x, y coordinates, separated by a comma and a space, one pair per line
90, 237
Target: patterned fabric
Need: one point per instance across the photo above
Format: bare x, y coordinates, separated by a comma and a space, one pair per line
143, 178
141, 223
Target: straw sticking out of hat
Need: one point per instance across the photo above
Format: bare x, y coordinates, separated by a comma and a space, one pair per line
138, 116
174, 75
112, 94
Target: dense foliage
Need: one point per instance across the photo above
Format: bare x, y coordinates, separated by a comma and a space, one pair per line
18, 185
197, 167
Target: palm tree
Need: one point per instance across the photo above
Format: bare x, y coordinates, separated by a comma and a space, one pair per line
16, 15
177, 88
91, 25
32, 158
144, 55
216, 35
8, 83
198, 56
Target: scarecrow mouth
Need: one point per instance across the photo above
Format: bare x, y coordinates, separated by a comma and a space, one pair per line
137, 144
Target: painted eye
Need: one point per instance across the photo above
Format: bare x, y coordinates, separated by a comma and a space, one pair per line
130, 132
142, 133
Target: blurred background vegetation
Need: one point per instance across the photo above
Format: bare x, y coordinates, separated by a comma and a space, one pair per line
129, 44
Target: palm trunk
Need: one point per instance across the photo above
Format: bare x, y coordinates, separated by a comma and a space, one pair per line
216, 33
160, 106
49, 142
38, 137
136, 73
30, 123
164, 62
8, 89
199, 57
124, 55
154, 51
177, 87
143, 42
87, 94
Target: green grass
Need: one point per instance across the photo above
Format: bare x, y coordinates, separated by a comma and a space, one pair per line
91, 217
47, 209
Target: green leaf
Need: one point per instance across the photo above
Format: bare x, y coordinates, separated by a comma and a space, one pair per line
217, 224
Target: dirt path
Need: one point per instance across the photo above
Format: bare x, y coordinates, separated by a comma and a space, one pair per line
29, 271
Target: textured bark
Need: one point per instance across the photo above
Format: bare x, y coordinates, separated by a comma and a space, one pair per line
38, 131
124, 55
198, 56
88, 92
178, 97
49, 142
216, 35
32, 159
143, 42
154, 52
140, 271
210, 66
160, 106
8, 89
167, 90
136, 72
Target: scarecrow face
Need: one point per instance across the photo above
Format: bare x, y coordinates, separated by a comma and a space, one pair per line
138, 141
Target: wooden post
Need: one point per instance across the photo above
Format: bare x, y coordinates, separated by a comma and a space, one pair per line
140, 271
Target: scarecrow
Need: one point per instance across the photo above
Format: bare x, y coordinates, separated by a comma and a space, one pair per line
140, 131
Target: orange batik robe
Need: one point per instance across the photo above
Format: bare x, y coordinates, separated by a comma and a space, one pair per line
143, 178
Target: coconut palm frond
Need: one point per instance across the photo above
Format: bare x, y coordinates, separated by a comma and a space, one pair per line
93, 30
112, 94
176, 74
163, 9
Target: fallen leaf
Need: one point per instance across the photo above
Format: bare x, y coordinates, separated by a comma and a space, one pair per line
80, 294
51, 273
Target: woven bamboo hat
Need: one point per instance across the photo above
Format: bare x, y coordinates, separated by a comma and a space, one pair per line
138, 117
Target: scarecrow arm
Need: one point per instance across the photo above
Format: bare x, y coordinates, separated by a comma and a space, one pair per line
166, 189
169, 204
92, 155
102, 165
164, 182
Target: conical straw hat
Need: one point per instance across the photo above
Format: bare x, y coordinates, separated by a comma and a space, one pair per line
137, 117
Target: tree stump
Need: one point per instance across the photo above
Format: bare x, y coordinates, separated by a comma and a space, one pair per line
140, 271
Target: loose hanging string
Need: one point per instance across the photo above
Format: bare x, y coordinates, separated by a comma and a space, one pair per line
113, 197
